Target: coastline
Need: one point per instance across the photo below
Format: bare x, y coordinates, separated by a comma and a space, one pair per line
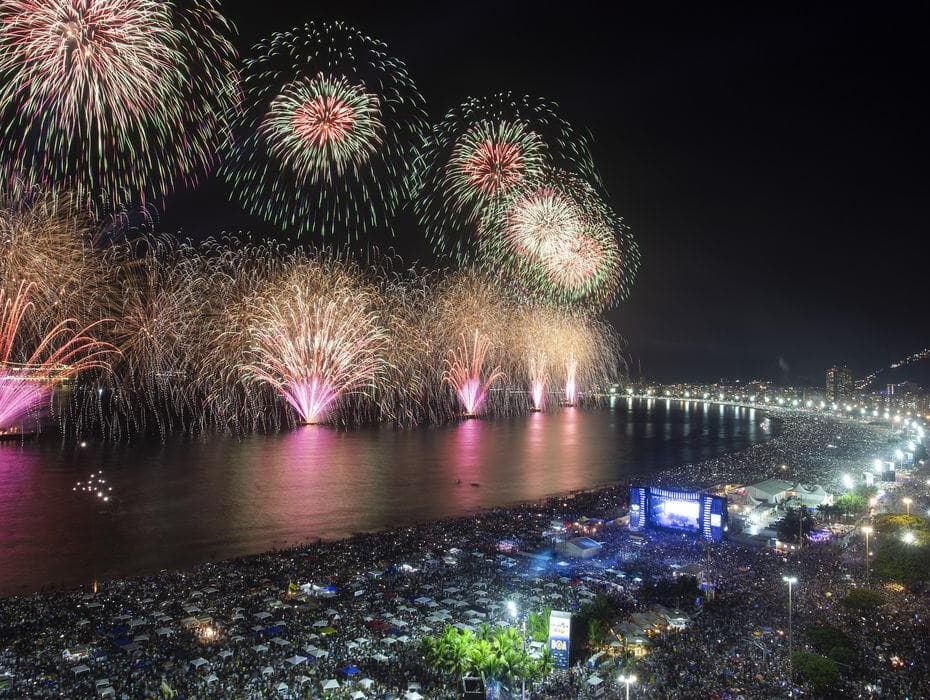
596, 501
406, 576
615, 489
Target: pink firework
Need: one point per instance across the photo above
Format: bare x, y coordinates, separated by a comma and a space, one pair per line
323, 119
571, 387
538, 378
314, 346
59, 355
466, 372
493, 167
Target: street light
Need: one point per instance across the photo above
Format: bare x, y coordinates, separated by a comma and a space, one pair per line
790, 580
512, 609
628, 680
907, 504
867, 530
909, 537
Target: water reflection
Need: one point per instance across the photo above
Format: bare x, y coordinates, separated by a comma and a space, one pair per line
190, 501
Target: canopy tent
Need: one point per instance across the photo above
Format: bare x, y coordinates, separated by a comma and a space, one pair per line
295, 659
79, 669
198, 662
351, 670
331, 684
595, 680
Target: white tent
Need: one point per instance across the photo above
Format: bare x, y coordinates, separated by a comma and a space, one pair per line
198, 662
212, 678
295, 659
595, 680
281, 687
358, 695
260, 648
413, 695
331, 684
366, 683
280, 642
267, 671
225, 654
79, 669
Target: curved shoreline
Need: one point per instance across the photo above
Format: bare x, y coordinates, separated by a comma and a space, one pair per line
614, 489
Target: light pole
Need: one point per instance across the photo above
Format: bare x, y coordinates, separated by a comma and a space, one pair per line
627, 680
512, 609
907, 504
867, 530
790, 580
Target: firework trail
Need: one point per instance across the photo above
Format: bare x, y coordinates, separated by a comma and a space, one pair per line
118, 100
467, 371
313, 335
327, 131
560, 243
61, 354
482, 152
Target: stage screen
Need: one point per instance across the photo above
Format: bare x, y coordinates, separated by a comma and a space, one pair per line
676, 512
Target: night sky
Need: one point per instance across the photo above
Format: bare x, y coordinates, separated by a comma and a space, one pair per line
771, 162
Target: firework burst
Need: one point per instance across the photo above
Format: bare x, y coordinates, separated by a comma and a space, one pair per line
469, 373
28, 374
314, 336
118, 100
561, 243
325, 139
481, 153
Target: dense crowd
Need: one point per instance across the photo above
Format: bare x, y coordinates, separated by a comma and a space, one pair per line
245, 628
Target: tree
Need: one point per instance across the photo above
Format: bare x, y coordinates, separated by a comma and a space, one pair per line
796, 521
537, 625
863, 599
819, 671
851, 503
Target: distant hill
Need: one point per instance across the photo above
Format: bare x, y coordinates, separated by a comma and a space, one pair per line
914, 368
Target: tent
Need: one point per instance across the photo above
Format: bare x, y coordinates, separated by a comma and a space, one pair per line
79, 669
260, 648
595, 680
413, 695
212, 678
358, 695
267, 671
198, 662
295, 659
366, 683
281, 687
331, 684
351, 670
225, 654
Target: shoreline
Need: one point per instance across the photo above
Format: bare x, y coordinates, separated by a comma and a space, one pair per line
615, 488
371, 597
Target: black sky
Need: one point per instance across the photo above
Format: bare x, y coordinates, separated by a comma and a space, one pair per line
771, 161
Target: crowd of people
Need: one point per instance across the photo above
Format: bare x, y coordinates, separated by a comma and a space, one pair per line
346, 619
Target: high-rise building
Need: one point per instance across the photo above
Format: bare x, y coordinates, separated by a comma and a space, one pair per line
839, 384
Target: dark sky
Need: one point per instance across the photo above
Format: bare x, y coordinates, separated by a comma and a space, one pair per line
770, 160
